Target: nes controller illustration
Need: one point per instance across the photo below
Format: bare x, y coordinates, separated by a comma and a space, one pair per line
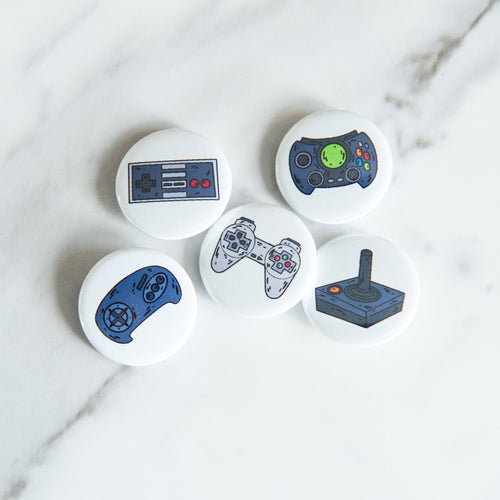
173, 180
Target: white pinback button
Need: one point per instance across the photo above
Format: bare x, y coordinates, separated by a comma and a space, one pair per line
333, 166
366, 290
137, 306
173, 184
258, 260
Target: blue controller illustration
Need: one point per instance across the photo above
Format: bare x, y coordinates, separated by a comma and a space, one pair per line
173, 180
134, 299
359, 300
333, 162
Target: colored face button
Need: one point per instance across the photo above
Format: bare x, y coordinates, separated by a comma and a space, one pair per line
173, 184
137, 307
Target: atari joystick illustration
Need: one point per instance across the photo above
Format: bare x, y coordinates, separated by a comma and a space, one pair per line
359, 300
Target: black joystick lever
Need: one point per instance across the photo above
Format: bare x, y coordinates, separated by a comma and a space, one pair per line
362, 290
365, 270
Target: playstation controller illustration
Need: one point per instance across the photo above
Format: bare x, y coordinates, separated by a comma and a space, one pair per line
134, 299
359, 300
281, 262
333, 162
173, 180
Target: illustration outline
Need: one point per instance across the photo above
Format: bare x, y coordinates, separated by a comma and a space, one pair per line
140, 296
352, 158
281, 262
182, 168
359, 300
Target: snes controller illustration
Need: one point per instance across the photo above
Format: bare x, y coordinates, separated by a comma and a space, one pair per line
281, 262
134, 299
173, 180
359, 300
333, 162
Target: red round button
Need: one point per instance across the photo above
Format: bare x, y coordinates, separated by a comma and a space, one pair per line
287, 264
205, 183
366, 155
194, 183
276, 257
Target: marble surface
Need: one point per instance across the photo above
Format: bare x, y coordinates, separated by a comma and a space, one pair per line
271, 409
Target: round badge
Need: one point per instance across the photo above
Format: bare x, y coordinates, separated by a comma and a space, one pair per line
366, 290
258, 260
137, 307
333, 166
173, 184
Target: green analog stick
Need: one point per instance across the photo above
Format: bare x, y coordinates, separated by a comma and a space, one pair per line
333, 156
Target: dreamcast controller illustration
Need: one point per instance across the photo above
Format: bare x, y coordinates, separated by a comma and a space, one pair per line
173, 180
359, 300
333, 162
281, 262
134, 299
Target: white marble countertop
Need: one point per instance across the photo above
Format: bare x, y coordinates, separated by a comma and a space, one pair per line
254, 409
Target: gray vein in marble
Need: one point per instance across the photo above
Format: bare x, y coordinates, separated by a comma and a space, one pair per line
19, 483
426, 66
429, 63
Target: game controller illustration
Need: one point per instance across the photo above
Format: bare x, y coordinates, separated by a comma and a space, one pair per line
173, 180
333, 162
359, 300
281, 262
134, 299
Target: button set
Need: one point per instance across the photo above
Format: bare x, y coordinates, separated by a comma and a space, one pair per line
138, 307
363, 156
333, 159
205, 183
173, 184
270, 236
282, 261
154, 287
374, 304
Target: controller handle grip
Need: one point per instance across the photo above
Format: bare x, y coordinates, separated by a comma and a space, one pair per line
276, 287
221, 261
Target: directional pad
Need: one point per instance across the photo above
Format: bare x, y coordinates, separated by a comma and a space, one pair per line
145, 183
118, 317
281, 261
237, 240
